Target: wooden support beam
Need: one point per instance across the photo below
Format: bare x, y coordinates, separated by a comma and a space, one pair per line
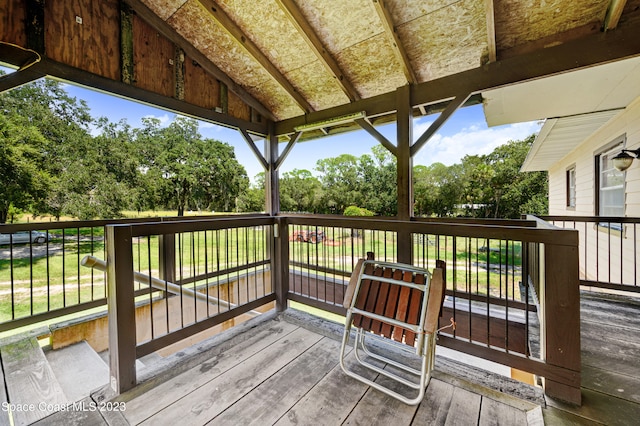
404, 169
121, 309
298, 20
245, 41
169, 33
396, 44
65, 72
126, 44
614, 12
561, 305
591, 50
491, 30
178, 66
34, 23
288, 149
366, 125
280, 264
247, 137
453, 106
18, 78
271, 177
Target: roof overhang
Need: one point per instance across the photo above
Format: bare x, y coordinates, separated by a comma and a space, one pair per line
601, 88
559, 136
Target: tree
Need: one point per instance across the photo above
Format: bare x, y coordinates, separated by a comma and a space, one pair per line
341, 181
190, 172
379, 181
436, 189
300, 191
22, 173
253, 199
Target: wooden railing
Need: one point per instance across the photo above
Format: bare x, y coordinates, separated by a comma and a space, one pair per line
499, 316
229, 267
609, 250
223, 269
41, 277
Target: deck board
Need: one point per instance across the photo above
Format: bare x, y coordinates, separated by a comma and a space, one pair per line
464, 408
376, 407
435, 407
209, 400
295, 378
330, 401
494, 413
30, 381
268, 402
149, 403
611, 383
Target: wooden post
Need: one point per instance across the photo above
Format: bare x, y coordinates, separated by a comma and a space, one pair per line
404, 163
561, 320
271, 178
281, 264
167, 244
121, 309
279, 235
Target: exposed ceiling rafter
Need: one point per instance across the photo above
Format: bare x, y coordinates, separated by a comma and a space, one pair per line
167, 31
18, 78
614, 12
236, 32
298, 20
392, 35
591, 50
491, 30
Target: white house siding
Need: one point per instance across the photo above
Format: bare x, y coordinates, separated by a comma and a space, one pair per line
617, 249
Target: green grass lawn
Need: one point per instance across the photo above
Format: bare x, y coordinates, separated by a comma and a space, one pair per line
57, 280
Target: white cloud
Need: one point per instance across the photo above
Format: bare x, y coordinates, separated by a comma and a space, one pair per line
471, 140
165, 119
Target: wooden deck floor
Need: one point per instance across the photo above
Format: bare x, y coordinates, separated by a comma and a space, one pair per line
610, 341
283, 373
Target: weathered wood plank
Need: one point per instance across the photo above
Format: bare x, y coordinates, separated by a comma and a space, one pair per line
79, 370
606, 311
331, 401
612, 383
611, 355
555, 416
376, 407
217, 395
4, 415
74, 416
29, 380
496, 413
434, 408
620, 331
464, 409
602, 408
167, 393
274, 397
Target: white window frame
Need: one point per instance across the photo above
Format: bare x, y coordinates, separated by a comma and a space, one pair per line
571, 187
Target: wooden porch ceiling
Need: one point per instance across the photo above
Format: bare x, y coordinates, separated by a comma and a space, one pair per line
294, 62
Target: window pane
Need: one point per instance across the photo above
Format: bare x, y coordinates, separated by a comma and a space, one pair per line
611, 186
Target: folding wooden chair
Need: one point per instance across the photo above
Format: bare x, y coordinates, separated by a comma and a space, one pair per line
390, 303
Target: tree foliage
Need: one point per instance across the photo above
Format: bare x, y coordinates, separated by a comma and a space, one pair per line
50, 162
56, 159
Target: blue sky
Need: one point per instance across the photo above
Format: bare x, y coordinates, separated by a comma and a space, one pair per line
466, 132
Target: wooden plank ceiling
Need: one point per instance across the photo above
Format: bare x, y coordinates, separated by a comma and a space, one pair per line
291, 61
